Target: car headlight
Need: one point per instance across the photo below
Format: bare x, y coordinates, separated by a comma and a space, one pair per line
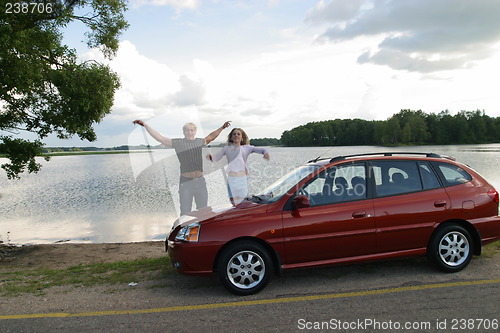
189, 233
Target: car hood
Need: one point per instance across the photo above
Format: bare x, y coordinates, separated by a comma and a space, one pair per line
221, 212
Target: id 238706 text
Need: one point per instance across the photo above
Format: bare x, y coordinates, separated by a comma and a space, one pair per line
24, 7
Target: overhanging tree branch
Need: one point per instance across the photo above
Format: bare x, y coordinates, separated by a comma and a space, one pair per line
43, 88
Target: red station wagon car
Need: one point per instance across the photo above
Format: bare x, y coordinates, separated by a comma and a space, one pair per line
342, 210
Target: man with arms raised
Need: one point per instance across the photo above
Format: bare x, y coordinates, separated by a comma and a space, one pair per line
189, 152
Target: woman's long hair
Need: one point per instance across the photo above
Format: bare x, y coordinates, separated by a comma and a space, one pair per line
244, 136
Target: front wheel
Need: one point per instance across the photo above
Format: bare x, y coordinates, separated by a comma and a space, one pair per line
451, 248
244, 268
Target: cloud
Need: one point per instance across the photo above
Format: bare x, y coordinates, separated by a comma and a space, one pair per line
416, 35
148, 87
191, 93
334, 11
404, 61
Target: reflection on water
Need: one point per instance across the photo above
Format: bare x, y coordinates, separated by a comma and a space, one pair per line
103, 198
90, 198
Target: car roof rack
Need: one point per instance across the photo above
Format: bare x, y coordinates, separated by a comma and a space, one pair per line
343, 157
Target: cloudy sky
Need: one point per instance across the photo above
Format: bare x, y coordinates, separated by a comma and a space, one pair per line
271, 65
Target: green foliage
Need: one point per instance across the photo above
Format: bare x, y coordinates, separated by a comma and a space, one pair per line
43, 87
19, 151
265, 142
407, 127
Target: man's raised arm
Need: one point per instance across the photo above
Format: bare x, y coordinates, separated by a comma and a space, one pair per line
157, 136
212, 136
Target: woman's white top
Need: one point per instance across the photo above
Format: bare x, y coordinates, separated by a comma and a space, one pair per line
237, 156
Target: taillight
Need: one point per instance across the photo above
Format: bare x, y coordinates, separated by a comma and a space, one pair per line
493, 194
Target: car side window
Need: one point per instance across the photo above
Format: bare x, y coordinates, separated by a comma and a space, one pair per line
337, 184
453, 174
429, 178
396, 177
315, 187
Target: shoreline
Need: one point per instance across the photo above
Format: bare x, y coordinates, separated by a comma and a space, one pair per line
133, 151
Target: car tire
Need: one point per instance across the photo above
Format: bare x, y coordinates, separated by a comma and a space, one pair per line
451, 248
244, 268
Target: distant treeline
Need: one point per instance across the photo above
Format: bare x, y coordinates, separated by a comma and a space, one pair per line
407, 127
49, 150
265, 142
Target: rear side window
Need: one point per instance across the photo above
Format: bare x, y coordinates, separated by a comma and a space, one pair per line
396, 177
453, 174
429, 178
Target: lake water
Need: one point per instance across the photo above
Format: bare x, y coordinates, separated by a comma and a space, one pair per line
127, 197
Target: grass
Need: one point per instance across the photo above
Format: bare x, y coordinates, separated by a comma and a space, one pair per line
490, 250
38, 280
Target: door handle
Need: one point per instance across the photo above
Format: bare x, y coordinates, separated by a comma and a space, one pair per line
440, 203
359, 214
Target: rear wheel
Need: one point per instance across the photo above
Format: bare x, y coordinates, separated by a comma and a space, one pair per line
244, 268
451, 248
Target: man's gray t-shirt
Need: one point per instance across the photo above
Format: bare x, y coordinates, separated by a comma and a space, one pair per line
189, 153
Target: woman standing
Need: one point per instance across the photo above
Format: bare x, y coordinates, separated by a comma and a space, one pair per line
237, 151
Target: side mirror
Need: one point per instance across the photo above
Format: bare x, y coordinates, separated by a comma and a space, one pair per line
300, 201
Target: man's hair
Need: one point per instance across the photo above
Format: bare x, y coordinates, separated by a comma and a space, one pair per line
186, 125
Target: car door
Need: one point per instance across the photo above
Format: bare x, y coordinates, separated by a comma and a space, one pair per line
409, 200
338, 223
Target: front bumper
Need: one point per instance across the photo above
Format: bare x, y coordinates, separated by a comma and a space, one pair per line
192, 258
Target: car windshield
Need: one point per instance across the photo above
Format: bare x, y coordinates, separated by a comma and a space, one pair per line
277, 189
